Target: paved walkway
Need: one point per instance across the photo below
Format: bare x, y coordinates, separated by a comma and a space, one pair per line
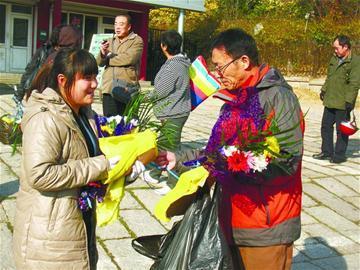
330, 219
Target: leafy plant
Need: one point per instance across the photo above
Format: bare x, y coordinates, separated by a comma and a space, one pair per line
141, 108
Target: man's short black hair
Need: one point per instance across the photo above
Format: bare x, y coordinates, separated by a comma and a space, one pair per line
343, 40
173, 40
236, 43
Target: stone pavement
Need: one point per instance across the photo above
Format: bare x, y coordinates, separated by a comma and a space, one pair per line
330, 236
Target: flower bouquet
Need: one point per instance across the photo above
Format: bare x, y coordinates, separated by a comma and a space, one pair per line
132, 137
10, 131
253, 152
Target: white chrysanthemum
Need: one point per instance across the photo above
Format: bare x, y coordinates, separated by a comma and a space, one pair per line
116, 118
228, 150
134, 122
259, 163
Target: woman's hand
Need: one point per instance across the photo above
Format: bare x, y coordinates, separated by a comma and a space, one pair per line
166, 159
113, 161
136, 170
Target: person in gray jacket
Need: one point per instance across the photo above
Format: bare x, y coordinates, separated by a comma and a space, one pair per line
172, 93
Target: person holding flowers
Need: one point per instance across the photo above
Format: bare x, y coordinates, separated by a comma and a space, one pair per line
60, 156
254, 154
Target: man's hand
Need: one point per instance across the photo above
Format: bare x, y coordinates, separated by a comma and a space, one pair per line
348, 108
322, 94
166, 159
104, 48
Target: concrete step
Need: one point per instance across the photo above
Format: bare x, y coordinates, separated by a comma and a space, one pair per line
10, 78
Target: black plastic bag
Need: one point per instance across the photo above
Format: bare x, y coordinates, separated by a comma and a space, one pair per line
153, 246
196, 242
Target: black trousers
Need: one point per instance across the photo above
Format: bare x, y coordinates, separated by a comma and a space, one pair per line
111, 106
176, 126
330, 117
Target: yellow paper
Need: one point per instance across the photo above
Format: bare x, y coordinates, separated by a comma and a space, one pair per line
187, 184
128, 147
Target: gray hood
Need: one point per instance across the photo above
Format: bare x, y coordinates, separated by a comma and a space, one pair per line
180, 58
272, 78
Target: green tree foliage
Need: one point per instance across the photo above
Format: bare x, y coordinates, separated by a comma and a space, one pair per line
294, 35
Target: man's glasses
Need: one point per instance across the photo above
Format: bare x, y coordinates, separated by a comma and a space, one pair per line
221, 70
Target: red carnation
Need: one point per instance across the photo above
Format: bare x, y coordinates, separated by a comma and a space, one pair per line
237, 162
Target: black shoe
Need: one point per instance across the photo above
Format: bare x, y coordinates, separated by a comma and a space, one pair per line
322, 156
338, 160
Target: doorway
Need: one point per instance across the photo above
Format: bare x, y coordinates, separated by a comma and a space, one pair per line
20, 42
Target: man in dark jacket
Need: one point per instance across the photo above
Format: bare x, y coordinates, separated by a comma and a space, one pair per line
338, 94
260, 211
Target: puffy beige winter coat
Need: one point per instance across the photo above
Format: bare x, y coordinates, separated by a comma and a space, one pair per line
125, 62
49, 231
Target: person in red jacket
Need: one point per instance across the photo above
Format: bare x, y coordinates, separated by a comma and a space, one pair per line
260, 212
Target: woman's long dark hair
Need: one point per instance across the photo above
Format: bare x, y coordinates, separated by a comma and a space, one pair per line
69, 62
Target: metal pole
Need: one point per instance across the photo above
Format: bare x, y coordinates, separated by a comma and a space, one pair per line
51, 18
181, 24
35, 27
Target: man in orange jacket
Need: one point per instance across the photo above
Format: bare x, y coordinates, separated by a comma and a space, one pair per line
260, 211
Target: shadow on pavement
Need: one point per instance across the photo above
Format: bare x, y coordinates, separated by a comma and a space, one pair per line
9, 188
322, 254
353, 149
6, 89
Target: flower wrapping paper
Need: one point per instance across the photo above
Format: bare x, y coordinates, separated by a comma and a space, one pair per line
140, 145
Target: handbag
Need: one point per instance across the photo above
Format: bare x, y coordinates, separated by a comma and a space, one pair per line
122, 90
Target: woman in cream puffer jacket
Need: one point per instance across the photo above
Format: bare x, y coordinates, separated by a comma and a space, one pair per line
50, 230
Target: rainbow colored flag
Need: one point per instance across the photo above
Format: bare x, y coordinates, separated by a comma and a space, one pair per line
202, 83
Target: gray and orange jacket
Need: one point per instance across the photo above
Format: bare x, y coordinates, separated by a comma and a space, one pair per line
264, 211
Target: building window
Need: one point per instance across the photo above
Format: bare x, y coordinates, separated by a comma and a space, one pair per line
64, 18
2, 23
20, 32
108, 20
108, 30
77, 20
21, 9
91, 27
